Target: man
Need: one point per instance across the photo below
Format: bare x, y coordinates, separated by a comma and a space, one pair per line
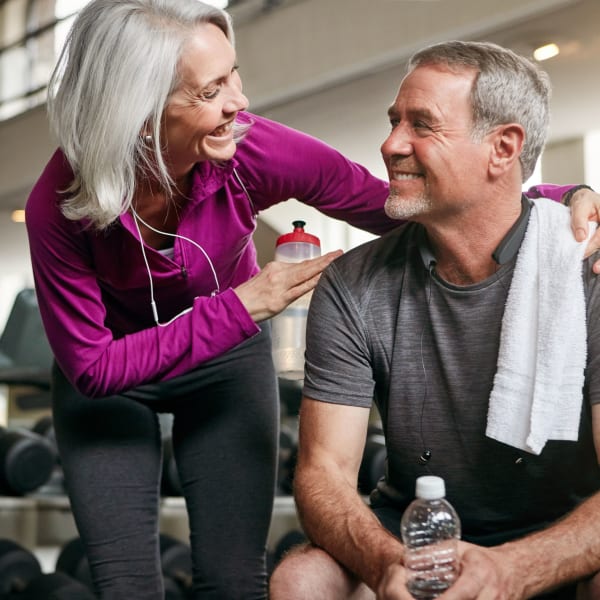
414, 321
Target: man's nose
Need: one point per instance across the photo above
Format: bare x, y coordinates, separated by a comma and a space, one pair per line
398, 142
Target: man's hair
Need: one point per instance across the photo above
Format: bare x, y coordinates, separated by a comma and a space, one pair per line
112, 82
508, 88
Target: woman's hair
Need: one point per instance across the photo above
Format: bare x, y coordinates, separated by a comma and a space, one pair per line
508, 89
109, 90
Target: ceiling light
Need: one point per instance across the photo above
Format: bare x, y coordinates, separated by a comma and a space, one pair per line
545, 52
18, 216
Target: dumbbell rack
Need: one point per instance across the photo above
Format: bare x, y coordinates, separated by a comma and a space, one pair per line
43, 524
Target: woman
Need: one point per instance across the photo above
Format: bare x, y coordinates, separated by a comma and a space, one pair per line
140, 234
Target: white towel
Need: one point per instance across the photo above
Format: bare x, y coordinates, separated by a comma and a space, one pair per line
538, 387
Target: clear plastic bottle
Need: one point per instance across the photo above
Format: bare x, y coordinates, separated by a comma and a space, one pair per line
289, 326
430, 530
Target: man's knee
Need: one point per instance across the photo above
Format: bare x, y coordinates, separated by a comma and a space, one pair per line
307, 572
589, 589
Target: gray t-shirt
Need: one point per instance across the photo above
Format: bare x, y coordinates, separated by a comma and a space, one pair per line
383, 328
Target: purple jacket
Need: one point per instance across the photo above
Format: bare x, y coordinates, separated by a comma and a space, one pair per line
93, 287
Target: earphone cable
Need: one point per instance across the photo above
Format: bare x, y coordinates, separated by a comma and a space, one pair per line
137, 220
426, 383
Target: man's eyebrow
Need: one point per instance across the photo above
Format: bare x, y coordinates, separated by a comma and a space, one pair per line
422, 113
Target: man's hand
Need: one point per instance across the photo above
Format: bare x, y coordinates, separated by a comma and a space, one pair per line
485, 574
393, 584
585, 206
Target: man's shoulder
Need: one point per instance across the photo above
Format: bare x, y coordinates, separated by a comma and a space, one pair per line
388, 252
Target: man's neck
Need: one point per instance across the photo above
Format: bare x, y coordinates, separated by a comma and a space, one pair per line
464, 247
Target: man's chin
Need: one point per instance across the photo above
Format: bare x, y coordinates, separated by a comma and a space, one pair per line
405, 208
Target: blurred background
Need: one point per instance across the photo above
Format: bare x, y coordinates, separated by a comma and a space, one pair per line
328, 67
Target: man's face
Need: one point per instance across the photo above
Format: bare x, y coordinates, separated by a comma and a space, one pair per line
434, 166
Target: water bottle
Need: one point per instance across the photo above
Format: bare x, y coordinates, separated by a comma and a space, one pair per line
289, 326
430, 530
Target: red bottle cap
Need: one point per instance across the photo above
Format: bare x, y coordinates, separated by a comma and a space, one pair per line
298, 235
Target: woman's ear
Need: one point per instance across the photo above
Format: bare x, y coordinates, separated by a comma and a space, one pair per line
506, 145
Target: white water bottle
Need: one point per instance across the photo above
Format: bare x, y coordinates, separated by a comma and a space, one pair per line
430, 530
289, 326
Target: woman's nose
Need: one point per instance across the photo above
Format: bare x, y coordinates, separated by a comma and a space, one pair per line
236, 100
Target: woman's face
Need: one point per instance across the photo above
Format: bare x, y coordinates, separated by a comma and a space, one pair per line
198, 120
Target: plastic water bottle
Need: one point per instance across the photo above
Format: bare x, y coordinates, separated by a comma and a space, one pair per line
430, 530
289, 326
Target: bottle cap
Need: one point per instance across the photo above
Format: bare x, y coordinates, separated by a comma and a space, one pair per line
298, 235
430, 487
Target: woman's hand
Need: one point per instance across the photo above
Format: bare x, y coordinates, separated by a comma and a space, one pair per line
585, 206
279, 284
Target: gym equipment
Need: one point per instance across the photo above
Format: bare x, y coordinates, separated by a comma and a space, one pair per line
288, 453
44, 426
55, 485
294, 537
25, 355
55, 586
26, 461
290, 396
73, 562
18, 566
372, 466
170, 484
176, 564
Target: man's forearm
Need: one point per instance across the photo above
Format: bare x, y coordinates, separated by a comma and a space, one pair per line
336, 519
566, 551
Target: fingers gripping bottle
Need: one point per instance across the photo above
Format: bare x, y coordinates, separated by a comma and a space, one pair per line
430, 530
289, 326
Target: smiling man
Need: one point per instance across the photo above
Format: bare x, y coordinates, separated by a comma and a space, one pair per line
415, 322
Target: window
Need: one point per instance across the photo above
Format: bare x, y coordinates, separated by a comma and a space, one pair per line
32, 33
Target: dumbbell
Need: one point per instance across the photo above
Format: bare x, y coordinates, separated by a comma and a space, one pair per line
288, 454
18, 566
56, 484
290, 396
175, 557
372, 466
291, 539
72, 561
26, 461
170, 484
176, 563
55, 586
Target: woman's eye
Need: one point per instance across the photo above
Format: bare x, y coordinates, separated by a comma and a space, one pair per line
210, 95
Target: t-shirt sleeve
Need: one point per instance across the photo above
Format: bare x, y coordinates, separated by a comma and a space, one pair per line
338, 364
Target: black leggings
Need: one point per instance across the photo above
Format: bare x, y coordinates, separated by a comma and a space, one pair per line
225, 436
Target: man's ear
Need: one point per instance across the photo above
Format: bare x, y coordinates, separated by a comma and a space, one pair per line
506, 145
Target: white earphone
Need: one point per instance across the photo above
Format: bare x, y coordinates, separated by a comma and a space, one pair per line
137, 220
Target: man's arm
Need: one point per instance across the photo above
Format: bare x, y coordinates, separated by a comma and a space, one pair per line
567, 551
333, 515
